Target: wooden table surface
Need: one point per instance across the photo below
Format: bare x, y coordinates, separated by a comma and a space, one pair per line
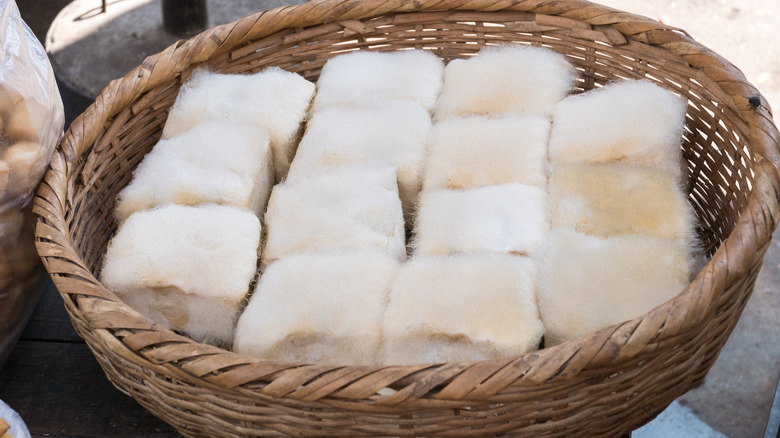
55, 383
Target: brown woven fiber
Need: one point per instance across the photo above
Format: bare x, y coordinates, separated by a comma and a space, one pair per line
605, 384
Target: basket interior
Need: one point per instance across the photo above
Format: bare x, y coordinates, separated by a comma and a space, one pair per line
719, 161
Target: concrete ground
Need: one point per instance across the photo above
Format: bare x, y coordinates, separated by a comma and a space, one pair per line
90, 48
736, 397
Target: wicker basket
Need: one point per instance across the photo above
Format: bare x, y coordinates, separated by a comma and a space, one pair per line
605, 384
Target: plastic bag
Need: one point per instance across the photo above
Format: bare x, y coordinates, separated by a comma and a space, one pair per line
30, 107
31, 122
17, 427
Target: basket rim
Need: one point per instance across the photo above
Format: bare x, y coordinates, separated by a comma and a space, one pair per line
87, 300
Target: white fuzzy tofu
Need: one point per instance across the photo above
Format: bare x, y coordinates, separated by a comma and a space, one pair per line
462, 308
393, 134
633, 121
187, 268
347, 209
478, 151
587, 283
612, 199
323, 308
215, 162
274, 99
505, 79
509, 218
367, 78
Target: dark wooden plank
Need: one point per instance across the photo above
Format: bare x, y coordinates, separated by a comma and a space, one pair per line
60, 391
50, 321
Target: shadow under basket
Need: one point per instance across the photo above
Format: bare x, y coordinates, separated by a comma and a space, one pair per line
604, 384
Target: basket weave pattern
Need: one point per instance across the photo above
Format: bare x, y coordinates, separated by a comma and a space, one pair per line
604, 384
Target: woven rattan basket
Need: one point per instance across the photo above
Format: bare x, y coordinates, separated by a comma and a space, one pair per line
605, 384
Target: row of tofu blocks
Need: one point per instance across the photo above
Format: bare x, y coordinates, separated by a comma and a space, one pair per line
518, 228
